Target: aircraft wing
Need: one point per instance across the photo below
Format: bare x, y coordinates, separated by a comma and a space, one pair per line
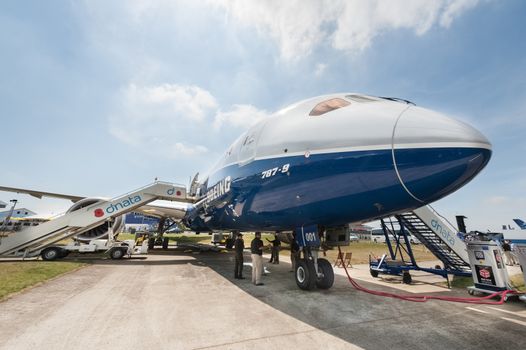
164, 209
40, 194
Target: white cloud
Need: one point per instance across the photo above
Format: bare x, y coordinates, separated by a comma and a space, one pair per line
186, 150
172, 121
454, 9
156, 118
320, 69
349, 25
190, 102
241, 116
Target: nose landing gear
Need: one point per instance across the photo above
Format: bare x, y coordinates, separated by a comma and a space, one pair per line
309, 270
313, 272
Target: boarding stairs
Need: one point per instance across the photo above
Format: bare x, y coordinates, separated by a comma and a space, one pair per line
31, 240
439, 236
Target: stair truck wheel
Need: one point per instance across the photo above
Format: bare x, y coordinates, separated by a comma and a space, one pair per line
50, 254
116, 253
165, 243
151, 243
325, 267
305, 275
374, 273
406, 277
64, 253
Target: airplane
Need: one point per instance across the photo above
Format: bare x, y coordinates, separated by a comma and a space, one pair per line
327, 161
520, 223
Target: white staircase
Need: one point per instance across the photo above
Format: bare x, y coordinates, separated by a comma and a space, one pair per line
30, 241
439, 236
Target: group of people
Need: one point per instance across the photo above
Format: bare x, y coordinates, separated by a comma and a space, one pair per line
256, 254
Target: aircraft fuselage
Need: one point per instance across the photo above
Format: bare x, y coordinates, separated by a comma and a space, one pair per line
365, 159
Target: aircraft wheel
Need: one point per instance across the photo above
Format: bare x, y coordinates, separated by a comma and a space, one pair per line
406, 277
327, 280
116, 253
305, 275
50, 254
374, 273
165, 243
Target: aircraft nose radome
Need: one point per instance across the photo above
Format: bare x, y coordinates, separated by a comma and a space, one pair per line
421, 126
436, 155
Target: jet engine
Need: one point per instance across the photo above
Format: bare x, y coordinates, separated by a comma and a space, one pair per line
101, 231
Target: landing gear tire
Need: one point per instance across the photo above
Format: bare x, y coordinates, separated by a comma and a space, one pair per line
116, 253
165, 243
305, 275
327, 280
151, 243
471, 292
50, 254
406, 277
373, 273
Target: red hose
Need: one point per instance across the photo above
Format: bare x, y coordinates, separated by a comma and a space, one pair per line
424, 298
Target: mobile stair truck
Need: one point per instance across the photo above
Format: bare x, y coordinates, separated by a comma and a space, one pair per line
431, 230
44, 238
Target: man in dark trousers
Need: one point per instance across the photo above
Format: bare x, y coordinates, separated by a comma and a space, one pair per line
256, 248
239, 245
276, 244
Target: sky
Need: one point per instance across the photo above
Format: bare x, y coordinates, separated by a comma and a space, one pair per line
98, 98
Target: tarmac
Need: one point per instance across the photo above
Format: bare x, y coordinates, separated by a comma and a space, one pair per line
191, 301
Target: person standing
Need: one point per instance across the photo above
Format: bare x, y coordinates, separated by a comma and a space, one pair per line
239, 245
276, 244
256, 250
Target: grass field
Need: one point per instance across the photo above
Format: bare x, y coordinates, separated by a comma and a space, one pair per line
518, 282
15, 276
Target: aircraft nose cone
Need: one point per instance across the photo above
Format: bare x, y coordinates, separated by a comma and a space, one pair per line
435, 155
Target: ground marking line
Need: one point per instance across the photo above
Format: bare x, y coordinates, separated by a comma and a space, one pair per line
514, 321
506, 311
477, 310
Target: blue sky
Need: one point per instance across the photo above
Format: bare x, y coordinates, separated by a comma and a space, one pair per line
98, 98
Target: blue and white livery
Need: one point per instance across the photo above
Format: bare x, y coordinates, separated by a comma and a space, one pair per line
335, 159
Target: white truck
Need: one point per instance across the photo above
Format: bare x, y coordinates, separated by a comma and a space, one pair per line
115, 249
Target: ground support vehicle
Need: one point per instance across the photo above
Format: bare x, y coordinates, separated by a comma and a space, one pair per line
114, 249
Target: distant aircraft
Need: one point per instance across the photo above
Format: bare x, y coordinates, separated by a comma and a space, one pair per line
520, 223
327, 161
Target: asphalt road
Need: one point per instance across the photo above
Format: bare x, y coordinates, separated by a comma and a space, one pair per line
192, 302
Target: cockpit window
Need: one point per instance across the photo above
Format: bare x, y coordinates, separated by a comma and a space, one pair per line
328, 105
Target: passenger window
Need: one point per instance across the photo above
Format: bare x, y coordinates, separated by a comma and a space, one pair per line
328, 105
